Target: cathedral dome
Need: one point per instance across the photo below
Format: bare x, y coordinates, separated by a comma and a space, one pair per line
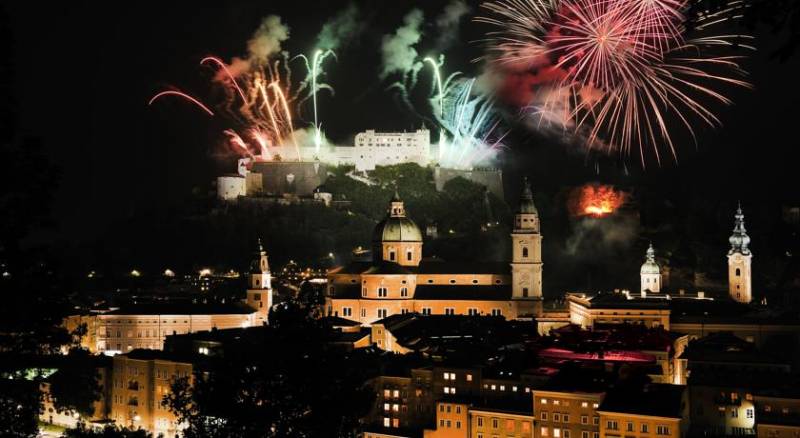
396, 227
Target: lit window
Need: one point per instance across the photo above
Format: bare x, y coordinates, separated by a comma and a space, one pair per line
396, 393
544, 401
545, 432
386, 406
386, 421
556, 402
469, 377
584, 404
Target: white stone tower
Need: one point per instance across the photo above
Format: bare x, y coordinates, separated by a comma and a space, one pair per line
526, 261
650, 273
739, 261
259, 289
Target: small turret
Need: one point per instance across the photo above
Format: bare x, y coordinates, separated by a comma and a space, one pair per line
650, 273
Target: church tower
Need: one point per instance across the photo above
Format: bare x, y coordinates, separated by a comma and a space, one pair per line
397, 239
739, 260
526, 261
259, 288
650, 273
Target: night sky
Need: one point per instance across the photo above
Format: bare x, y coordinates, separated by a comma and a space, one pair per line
84, 72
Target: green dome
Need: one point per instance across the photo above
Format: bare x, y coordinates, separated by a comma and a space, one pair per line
397, 229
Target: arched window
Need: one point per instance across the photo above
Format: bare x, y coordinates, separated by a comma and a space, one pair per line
738, 272
525, 251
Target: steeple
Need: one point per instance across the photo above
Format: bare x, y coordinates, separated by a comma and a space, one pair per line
526, 198
259, 290
740, 260
650, 273
526, 243
396, 207
739, 240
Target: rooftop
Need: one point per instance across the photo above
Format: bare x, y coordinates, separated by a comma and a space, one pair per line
654, 399
183, 308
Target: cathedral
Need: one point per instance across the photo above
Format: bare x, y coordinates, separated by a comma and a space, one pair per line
398, 280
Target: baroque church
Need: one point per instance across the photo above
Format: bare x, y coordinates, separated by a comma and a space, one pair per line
398, 280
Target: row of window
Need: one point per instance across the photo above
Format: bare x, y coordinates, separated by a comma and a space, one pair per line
510, 425
584, 404
383, 313
643, 427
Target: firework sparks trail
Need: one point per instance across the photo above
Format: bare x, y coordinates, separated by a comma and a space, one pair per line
314, 70
468, 122
183, 95
624, 66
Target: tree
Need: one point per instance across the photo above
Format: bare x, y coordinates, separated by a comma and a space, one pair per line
285, 382
81, 431
74, 386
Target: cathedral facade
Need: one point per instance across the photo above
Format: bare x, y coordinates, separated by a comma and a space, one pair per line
398, 280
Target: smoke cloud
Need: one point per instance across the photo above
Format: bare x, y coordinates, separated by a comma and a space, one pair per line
341, 30
267, 39
447, 24
399, 53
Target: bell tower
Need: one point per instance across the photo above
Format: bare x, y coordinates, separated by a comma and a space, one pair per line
526, 261
259, 289
739, 261
650, 273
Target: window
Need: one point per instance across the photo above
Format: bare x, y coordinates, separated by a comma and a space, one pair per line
584, 434
584, 404
556, 433
347, 311
426, 310
391, 256
458, 409
396, 407
584, 419
556, 416
409, 256
382, 291
363, 313
629, 426
544, 401
543, 415
545, 431
557, 402
472, 312
566, 433
497, 312
662, 430
595, 405
735, 413
524, 291
449, 311
403, 291
381, 313
495, 423
749, 413
447, 408
386, 406
363, 292
738, 272
565, 418
396, 422
645, 428
510, 426
458, 425
480, 421
469, 377
612, 425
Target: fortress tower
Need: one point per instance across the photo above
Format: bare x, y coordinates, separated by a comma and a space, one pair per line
650, 273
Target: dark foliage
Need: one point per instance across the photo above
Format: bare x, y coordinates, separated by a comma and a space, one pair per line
290, 383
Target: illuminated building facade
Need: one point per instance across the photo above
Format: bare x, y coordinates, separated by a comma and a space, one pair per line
147, 325
141, 380
399, 281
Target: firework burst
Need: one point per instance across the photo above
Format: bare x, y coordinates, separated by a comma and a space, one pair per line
616, 70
